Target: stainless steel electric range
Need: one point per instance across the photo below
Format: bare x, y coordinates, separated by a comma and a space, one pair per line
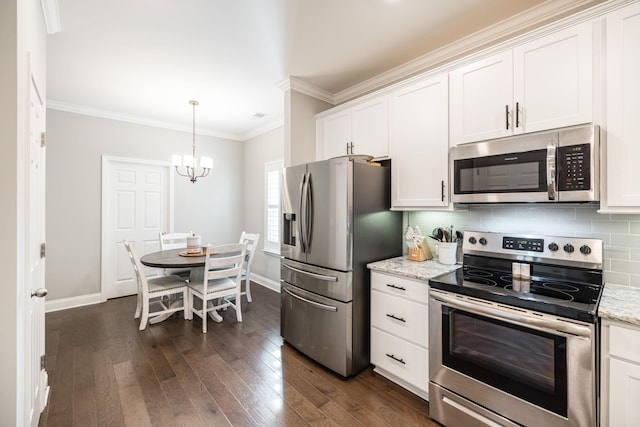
513, 333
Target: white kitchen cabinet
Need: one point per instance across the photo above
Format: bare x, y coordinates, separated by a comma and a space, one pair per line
623, 108
360, 129
620, 367
419, 144
543, 84
400, 331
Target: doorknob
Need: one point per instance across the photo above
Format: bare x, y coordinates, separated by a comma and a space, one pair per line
40, 293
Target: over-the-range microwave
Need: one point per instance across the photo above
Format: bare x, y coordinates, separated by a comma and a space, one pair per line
552, 166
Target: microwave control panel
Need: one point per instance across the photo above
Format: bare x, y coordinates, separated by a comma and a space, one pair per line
574, 168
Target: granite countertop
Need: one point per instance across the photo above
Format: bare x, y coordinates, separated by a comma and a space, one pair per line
421, 270
621, 303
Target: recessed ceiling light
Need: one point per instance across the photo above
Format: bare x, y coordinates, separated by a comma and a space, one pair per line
259, 115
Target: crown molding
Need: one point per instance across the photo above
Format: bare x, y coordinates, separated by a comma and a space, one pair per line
105, 114
274, 124
295, 83
51, 12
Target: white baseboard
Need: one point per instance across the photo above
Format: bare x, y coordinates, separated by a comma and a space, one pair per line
72, 302
266, 282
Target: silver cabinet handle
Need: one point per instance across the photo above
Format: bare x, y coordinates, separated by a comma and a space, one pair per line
400, 319
401, 288
314, 275
308, 301
39, 293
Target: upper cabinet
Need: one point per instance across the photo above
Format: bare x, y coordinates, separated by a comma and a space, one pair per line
623, 108
543, 84
360, 129
419, 144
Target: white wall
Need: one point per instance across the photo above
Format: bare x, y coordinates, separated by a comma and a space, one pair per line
300, 127
257, 151
22, 35
212, 207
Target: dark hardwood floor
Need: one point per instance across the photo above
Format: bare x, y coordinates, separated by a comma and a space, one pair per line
103, 371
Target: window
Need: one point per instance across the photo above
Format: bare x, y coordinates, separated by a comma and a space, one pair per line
272, 174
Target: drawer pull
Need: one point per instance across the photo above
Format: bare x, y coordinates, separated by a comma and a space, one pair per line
396, 287
395, 358
393, 316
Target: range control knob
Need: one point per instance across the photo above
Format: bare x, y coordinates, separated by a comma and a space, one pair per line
472, 240
483, 241
568, 248
553, 246
585, 250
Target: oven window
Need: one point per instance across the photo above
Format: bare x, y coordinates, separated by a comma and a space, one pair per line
523, 362
519, 172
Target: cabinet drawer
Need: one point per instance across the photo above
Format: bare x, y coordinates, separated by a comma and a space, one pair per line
625, 343
413, 289
406, 319
401, 358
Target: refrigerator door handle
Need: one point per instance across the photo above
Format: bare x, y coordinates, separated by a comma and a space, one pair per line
308, 301
301, 222
314, 275
309, 214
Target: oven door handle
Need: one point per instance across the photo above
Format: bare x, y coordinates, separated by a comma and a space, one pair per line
544, 323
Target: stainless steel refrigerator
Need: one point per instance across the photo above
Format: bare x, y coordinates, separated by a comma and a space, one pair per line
335, 220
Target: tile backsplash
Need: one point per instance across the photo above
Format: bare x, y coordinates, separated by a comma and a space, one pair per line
620, 234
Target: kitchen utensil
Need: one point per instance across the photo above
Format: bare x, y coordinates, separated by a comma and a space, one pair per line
459, 235
438, 233
446, 236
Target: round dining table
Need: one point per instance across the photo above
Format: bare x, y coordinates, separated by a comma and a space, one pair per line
171, 258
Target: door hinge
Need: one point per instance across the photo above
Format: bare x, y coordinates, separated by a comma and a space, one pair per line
43, 138
42, 362
43, 249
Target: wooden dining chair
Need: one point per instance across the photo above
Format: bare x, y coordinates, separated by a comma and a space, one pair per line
174, 241
251, 239
160, 292
222, 282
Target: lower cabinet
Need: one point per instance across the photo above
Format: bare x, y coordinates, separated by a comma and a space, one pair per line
400, 331
620, 367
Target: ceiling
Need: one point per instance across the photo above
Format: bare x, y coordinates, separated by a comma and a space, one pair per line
143, 60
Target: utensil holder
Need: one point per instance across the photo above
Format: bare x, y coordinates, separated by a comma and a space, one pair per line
447, 252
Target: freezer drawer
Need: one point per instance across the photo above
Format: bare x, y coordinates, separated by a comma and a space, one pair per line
319, 327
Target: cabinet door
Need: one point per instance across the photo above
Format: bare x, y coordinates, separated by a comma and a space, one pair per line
419, 145
336, 134
553, 84
624, 387
370, 128
481, 97
623, 107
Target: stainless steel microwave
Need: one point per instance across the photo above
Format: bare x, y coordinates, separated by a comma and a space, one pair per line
552, 166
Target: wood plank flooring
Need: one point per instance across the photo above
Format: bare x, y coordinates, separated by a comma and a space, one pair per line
104, 372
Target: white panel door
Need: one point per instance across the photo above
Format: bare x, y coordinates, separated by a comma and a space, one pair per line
370, 128
481, 97
553, 82
137, 210
623, 107
336, 131
35, 377
419, 145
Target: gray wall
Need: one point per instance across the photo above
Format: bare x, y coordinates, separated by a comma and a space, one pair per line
257, 151
300, 127
620, 233
212, 207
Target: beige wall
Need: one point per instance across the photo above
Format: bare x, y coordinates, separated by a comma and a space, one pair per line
212, 206
300, 127
257, 151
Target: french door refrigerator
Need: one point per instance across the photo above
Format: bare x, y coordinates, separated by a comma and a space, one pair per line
335, 220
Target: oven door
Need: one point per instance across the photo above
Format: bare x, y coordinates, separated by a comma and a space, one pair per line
529, 368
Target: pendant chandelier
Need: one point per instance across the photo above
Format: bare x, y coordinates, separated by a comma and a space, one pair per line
187, 165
